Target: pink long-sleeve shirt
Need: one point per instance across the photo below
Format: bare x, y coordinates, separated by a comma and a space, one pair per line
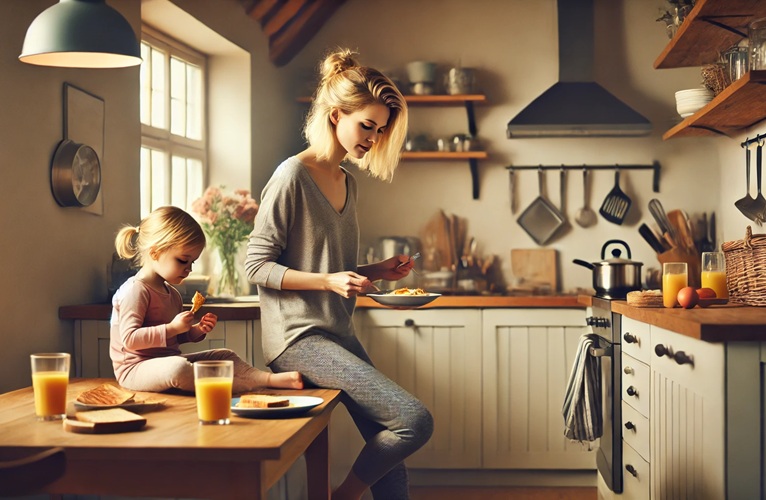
138, 328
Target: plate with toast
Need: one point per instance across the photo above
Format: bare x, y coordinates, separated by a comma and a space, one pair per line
273, 405
107, 396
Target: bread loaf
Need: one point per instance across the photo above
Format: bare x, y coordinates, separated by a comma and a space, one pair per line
645, 298
106, 395
262, 401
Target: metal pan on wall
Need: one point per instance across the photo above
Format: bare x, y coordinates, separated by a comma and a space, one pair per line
541, 219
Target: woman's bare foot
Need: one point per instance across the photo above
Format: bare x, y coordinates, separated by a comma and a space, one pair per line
286, 380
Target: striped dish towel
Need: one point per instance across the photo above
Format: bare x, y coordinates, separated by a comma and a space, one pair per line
582, 404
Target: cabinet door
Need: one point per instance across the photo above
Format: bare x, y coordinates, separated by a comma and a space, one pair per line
436, 356
527, 358
687, 418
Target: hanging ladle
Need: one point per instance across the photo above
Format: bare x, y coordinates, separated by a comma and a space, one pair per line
746, 204
585, 216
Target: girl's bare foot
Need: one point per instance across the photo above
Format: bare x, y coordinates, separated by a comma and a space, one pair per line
286, 380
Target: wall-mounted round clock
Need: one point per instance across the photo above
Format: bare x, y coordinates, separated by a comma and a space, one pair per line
75, 174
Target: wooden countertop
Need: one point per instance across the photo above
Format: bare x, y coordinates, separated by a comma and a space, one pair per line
252, 310
721, 323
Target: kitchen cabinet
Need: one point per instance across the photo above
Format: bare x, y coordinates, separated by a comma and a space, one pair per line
704, 414
527, 356
91, 344
711, 27
494, 380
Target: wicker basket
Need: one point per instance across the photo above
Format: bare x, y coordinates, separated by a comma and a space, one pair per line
746, 269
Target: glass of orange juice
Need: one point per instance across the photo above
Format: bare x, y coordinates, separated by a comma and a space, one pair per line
212, 384
50, 378
714, 273
674, 277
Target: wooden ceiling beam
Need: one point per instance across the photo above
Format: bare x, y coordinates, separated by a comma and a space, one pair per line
303, 24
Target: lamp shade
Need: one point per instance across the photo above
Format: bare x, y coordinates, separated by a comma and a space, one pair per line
81, 34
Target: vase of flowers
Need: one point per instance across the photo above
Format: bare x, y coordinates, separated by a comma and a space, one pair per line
227, 221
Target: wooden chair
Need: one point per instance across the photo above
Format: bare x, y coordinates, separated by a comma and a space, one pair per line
29, 474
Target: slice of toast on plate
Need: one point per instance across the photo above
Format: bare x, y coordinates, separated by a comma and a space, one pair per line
106, 395
262, 401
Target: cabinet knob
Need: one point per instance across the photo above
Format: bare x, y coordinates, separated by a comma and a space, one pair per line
409, 322
683, 359
630, 339
631, 391
660, 350
629, 425
632, 470
628, 370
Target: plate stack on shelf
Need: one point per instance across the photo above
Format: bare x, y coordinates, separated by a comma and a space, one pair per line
690, 101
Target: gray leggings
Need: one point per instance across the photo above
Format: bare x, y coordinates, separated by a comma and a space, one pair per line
393, 423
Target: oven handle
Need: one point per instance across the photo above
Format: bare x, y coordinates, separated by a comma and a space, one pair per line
599, 352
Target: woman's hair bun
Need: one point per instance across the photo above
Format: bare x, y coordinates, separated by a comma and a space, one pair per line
337, 62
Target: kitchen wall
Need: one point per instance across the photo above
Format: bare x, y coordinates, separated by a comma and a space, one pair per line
513, 45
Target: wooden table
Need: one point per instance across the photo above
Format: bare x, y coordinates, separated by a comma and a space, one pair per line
174, 456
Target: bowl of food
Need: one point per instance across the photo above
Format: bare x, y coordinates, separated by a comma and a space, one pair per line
404, 298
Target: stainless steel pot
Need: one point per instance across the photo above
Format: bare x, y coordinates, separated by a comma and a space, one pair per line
614, 278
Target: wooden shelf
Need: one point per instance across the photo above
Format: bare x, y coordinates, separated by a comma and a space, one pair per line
739, 106
444, 155
711, 27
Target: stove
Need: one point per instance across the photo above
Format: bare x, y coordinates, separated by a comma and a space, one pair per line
605, 329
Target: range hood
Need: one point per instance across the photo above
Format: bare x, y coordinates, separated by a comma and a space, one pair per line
576, 105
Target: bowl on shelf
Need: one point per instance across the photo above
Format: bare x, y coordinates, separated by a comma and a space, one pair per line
690, 101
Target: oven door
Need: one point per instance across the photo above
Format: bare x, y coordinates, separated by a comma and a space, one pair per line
609, 456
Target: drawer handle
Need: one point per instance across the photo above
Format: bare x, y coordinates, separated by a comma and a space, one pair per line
630, 339
660, 350
628, 370
631, 391
632, 470
630, 425
683, 359
409, 322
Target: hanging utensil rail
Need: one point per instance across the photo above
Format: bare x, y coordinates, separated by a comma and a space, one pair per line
758, 138
654, 167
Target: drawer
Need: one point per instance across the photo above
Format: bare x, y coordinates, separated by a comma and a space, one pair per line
635, 384
635, 475
635, 430
635, 339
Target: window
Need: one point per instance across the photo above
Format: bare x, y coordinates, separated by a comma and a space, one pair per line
173, 145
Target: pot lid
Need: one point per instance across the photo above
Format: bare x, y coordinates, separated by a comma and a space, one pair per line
616, 253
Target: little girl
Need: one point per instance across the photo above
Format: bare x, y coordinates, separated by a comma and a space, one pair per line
148, 322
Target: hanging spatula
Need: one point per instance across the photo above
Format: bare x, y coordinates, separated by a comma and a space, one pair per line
616, 204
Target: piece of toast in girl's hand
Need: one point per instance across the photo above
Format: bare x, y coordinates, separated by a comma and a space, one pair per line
197, 302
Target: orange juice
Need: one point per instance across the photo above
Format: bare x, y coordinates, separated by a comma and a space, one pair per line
213, 398
50, 394
671, 285
717, 281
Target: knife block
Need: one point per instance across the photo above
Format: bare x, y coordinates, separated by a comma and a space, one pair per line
692, 259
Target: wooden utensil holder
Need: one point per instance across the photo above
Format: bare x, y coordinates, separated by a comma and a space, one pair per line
692, 259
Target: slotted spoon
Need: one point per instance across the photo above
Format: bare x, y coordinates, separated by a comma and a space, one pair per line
746, 203
616, 204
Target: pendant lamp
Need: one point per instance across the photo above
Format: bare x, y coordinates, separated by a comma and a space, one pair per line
81, 34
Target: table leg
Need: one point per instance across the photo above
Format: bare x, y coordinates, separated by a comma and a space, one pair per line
318, 467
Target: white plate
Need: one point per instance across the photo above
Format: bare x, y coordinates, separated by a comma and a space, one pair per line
298, 406
403, 301
133, 405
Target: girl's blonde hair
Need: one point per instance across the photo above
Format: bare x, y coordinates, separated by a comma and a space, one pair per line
349, 87
164, 228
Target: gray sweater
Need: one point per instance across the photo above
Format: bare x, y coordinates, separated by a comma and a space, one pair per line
297, 228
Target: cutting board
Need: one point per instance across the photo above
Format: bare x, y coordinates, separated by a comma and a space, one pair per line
108, 421
539, 265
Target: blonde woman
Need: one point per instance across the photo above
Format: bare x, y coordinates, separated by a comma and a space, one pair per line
303, 252
148, 322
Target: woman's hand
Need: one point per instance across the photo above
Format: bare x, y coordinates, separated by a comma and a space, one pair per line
347, 283
391, 269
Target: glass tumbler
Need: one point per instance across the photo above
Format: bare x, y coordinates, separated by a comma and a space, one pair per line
757, 40
737, 63
50, 379
212, 385
674, 277
714, 273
